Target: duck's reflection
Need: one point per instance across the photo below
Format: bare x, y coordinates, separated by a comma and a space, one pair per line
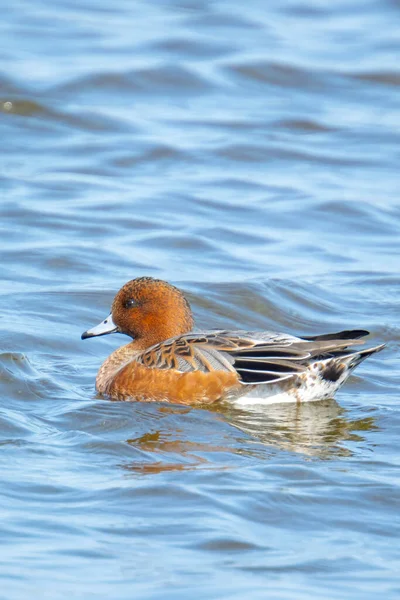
318, 429
185, 454
187, 440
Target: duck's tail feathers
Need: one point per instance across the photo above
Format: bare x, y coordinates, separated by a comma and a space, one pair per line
347, 334
355, 358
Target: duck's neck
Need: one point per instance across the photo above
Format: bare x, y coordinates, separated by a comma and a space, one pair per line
118, 359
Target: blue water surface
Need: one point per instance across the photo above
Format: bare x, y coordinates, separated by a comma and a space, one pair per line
248, 153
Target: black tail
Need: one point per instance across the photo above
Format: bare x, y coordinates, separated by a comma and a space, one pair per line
347, 334
357, 357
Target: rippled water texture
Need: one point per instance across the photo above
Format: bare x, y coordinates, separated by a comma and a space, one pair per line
249, 153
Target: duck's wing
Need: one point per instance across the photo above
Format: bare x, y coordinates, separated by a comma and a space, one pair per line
256, 357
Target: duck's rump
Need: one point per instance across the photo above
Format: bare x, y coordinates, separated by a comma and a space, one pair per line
320, 380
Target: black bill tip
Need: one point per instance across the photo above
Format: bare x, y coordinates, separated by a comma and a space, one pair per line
85, 335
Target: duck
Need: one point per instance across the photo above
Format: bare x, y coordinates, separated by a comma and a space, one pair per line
166, 360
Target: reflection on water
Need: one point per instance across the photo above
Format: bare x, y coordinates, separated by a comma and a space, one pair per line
313, 429
316, 429
186, 453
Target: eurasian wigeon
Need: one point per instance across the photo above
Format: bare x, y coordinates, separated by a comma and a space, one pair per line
168, 361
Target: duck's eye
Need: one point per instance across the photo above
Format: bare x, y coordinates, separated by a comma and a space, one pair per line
131, 303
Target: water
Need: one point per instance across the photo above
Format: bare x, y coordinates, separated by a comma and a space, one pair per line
247, 152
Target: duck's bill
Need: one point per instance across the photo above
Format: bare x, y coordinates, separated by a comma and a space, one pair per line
103, 328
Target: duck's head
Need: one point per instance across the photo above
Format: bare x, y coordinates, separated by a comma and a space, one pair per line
148, 310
